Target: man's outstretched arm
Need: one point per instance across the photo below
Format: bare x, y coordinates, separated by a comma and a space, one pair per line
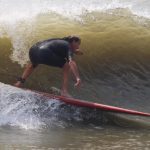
74, 69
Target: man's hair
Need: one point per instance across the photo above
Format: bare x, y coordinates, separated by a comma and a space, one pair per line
72, 38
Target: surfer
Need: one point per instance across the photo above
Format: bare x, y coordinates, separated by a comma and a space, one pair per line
56, 52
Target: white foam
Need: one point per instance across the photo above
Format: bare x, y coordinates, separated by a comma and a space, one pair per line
16, 10
28, 110
25, 109
16, 108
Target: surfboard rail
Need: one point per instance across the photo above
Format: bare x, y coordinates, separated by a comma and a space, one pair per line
83, 103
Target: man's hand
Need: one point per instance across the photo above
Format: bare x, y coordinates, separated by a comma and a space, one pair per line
78, 83
74, 70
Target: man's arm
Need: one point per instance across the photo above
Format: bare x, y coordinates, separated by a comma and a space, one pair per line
74, 69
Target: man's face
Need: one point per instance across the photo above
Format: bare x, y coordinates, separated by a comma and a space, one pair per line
75, 45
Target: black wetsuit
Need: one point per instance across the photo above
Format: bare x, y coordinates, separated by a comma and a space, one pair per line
52, 52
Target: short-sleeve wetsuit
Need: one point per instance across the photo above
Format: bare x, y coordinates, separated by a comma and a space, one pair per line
52, 52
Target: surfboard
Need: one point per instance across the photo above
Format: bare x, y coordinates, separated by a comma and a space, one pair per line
83, 103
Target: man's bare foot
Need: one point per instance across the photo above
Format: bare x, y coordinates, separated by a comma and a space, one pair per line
66, 94
18, 84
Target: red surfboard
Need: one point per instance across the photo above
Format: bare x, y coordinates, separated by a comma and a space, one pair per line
83, 103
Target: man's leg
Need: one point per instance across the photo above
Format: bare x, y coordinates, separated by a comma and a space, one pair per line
66, 71
27, 72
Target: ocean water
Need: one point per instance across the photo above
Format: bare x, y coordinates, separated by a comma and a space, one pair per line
115, 70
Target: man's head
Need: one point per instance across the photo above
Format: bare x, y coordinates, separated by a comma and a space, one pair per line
74, 42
